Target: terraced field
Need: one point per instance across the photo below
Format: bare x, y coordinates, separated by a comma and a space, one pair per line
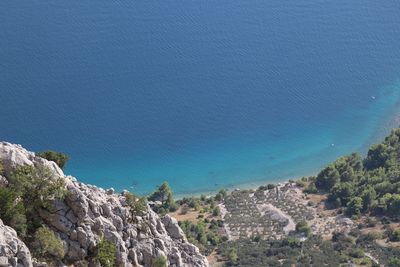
273, 213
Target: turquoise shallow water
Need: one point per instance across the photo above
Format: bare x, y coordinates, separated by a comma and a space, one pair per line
203, 94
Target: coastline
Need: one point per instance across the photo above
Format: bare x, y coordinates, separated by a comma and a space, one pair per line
382, 130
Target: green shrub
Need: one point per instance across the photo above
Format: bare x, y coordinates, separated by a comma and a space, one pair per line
216, 211
194, 203
12, 210
354, 207
302, 227
30, 189
270, 186
105, 253
394, 262
300, 183
256, 238
220, 195
356, 253
393, 234
311, 189
233, 256
37, 186
137, 205
159, 262
59, 158
47, 245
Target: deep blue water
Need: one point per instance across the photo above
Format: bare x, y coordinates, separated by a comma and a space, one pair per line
203, 94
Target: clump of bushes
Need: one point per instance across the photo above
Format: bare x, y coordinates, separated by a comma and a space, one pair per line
205, 233
29, 190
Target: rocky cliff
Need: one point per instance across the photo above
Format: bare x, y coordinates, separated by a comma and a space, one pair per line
89, 213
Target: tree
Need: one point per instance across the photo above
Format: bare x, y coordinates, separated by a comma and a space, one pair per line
349, 167
368, 197
343, 191
327, 178
165, 196
59, 158
378, 156
394, 206
105, 253
355, 206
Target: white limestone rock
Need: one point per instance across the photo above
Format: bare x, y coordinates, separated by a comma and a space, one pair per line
13, 252
89, 213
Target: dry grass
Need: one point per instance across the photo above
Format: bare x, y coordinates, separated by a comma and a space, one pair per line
215, 260
191, 216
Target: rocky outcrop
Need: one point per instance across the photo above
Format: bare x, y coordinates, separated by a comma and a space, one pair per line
13, 252
89, 213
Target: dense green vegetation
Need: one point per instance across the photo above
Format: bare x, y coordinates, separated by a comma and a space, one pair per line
59, 158
105, 253
359, 187
205, 234
369, 186
30, 190
47, 245
314, 251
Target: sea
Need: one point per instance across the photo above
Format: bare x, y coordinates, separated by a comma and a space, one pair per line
203, 94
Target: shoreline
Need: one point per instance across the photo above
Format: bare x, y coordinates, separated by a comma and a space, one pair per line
386, 126
301, 164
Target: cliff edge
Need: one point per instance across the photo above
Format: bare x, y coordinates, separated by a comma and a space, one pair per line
88, 214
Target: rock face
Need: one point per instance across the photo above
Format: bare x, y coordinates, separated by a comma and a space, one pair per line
13, 252
89, 213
